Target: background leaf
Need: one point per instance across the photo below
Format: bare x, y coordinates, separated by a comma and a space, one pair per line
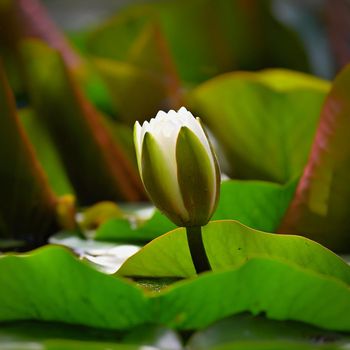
319, 209
95, 163
46, 152
124, 230
264, 121
244, 330
58, 336
27, 205
212, 39
257, 204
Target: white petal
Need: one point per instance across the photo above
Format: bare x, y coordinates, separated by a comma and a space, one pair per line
165, 128
138, 143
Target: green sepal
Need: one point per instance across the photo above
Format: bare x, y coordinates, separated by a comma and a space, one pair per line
216, 165
156, 179
195, 177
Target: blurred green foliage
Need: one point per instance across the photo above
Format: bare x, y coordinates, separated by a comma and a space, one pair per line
78, 96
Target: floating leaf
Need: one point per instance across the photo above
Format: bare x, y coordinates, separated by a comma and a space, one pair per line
57, 336
266, 121
280, 289
229, 243
104, 256
126, 230
41, 288
97, 214
27, 205
245, 331
319, 209
257, 204
51, 284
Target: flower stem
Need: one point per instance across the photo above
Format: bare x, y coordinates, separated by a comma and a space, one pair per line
197, 250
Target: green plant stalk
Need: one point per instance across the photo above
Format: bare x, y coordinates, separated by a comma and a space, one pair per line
197, 249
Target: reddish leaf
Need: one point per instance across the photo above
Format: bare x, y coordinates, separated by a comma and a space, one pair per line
94, 161
320, 209
27, 204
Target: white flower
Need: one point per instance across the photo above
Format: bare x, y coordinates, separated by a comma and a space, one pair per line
178, 167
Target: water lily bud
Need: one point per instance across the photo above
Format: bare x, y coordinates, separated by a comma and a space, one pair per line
178, 167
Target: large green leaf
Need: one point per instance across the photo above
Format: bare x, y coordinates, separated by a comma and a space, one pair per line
320, 208
96, 165
51, 284
257, 204
103, 256
277, 345
139, 230
27, 204
212, 38
229, 243
265, 121
57, 336
280, 289
244, 330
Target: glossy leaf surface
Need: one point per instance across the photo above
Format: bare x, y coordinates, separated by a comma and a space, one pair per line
229, 243
51, 284
257, 204
111, 302
319, 209
265, 123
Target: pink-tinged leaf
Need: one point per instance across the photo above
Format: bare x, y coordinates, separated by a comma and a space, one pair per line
29, 19
320, 209
27, 204
96, 164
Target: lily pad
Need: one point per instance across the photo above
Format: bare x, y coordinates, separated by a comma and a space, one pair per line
266, 120
280, 289
105, 256
134, 229
28, 335
320, 208
257, 204
244, 330
229, 243
51, 284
